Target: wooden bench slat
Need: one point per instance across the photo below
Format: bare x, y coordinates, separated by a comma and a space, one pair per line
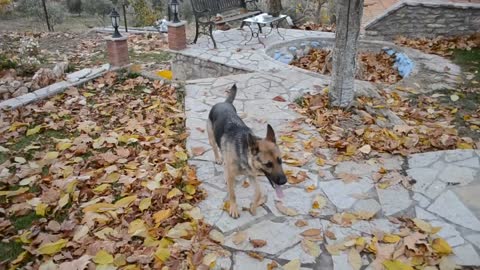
238, 17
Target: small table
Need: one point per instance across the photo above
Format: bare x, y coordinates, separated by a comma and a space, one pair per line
263, 19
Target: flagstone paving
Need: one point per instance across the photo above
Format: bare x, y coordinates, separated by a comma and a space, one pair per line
445, 186
438, 195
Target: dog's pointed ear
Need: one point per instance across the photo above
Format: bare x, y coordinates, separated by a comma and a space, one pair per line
270, 134
252, 143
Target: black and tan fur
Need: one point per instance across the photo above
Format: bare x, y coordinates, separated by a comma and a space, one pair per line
243, 153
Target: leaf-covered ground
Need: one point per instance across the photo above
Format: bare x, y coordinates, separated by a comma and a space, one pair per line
373, 67
98, 176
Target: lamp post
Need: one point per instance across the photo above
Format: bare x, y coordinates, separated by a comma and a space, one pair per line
174, 8
115, 18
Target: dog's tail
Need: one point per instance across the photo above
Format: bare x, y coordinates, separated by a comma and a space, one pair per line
232, 94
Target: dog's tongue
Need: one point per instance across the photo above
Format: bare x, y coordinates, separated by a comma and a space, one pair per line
279, 191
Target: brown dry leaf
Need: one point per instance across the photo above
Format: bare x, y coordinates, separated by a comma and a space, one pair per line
311, 232
245, 184
239, 237
285, 210
354, 259
258, 243
272, 265
217, 236
255, 255
348, 177
301, 223
330, 235
292, 265
198, 151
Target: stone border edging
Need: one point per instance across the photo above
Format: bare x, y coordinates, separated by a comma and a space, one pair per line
414, 3
55, 88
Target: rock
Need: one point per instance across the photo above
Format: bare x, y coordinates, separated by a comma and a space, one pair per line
394, 199
297, 252
16, 84
449, 206
369, 205
43, 77
59, 69
474, 239
20, 91
3, 89
423, 159
243, 261
342, 195
457, 175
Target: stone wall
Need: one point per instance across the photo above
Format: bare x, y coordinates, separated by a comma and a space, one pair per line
186, 67
425, 19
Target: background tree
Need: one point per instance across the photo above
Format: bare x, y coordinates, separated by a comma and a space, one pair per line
41, 10
74, 6
342, 88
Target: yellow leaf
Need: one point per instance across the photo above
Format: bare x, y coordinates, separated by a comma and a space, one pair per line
173, 193
391, 238
11, 193
319, 202
292, 265
20, 258
181, 155
441, 246
63, 201
40, 209
164, 243
119, 260
71, 186
190, 189
354, 259
463, 145
423, 225
351, 149
113, 177
103, 257
162, 254
311, 248
99, 207
166, 74
288, 139
209, 260
87, 94
161, 215
16, 125
137, 228
360, 242
145, 204
52, 248
320, 161
34, 130
25, 237
63, 146
396, 265
101, 188
51, 155
126, 201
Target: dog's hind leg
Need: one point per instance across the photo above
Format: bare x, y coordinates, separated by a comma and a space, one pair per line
232, 200
213, 143
258, 198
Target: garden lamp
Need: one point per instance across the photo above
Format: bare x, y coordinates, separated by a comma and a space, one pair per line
174, 8
115, 18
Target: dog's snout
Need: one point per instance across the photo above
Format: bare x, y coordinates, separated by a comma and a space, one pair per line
281, 180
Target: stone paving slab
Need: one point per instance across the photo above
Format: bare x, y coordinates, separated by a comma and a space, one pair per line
437, 196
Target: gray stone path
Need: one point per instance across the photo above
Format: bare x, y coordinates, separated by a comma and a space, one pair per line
444, 194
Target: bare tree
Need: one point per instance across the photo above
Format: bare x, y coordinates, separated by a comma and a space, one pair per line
342, 87
50, 28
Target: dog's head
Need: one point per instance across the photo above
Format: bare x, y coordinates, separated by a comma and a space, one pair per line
266, 157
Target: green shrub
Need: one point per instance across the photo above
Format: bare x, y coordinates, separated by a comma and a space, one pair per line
6, 63
74, 6
97, 7
33, 8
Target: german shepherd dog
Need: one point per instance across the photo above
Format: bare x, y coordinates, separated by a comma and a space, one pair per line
243, 153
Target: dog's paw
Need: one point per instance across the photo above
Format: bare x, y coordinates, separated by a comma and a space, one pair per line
233, 210
253, 209
219, 161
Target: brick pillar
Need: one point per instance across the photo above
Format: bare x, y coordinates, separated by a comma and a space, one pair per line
177, 36
117, 51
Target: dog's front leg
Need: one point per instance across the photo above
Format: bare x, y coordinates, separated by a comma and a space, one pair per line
258, 198
230, 179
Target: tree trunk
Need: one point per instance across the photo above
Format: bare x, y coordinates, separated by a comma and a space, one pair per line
342, 87
46, 16
274, 7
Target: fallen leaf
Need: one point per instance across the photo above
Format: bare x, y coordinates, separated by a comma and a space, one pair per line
103, 257
366, 149
311, 248
198, 151
173, 193
162, 254
216, 236
285, 210
396, 265
311, 232
255, 255
441, 246
292, 265
391, 238
272, 265
258, 243
330, 235
162, 215
454, 98
34, 130
354, 259
239, 237
145, 204
447, 264
301, 223
209, 259
279, 98
423, 225
52, 248
319, 202
348, 177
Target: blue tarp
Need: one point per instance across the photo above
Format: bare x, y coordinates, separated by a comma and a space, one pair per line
403, 64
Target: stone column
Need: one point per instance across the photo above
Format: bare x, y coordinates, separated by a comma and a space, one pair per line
177, 36
117, 51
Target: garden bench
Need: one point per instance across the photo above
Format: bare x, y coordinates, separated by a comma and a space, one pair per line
206, 11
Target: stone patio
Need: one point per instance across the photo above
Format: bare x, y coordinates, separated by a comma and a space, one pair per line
444, 192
